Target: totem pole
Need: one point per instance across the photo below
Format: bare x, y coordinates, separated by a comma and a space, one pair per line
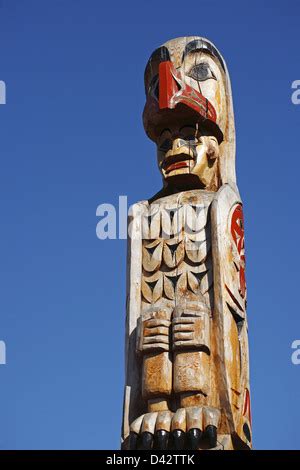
187, 368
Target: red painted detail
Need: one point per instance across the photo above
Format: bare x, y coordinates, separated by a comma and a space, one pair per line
173, 90
237, 232
167, 85
176, 166
247, 406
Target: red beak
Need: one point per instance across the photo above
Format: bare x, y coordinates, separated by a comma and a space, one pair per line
172, 91
177, 103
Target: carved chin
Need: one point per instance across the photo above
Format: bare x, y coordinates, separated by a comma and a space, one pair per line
187, 176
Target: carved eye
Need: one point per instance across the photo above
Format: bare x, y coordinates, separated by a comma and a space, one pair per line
191, 139
188, 135
201, 72
165, 145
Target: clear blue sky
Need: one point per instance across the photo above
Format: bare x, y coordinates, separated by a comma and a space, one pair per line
71, 138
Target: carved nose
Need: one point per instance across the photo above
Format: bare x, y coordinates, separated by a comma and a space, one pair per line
177, 143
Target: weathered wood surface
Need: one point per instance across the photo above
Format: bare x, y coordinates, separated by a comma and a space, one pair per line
187, 371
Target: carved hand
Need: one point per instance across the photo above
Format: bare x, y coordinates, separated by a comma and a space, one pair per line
154, 331
191, 332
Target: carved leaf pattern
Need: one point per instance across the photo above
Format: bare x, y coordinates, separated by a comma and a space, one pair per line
172, 221
173, 252
152, 287
196, 251
178, 259
152, 255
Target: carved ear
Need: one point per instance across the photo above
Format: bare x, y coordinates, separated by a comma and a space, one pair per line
213, 150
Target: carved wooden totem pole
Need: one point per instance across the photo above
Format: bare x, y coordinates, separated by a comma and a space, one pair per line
187, 375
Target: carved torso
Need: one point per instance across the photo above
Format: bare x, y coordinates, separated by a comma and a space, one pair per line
186, 311
177, 264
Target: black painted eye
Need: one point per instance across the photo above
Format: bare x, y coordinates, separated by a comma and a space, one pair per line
201, 72
165, 145
190, 138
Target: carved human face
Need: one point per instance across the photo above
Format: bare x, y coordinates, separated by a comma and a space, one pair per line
185, 152
185, 113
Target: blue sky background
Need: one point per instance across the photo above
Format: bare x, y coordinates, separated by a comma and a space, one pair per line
71, 138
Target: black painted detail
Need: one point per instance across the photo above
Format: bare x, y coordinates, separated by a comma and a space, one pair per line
173, 248
202, 45
199, 276
133, 437
161, 440
178, 439
151, 249
194, 436
247, 432
152, 285
174, 280
146, 440
211, 435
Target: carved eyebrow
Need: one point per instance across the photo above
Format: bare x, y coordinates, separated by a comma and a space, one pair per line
202, 45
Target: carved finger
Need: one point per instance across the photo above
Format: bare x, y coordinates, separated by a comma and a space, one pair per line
156, 339
147, 430
134, 432
136, 425
178, 437
178, 428
163, 421
194, 437
179, 420
146, 441
183, 327
161, 440
133, 439
160, 330
211, 418
183, 331
156, 322
149, 421
155, 346
183, 320
194, 426
162, 429
210, 434
184, 336
194, 417
191, 332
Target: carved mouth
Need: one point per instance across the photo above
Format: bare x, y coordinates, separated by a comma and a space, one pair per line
175, 162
